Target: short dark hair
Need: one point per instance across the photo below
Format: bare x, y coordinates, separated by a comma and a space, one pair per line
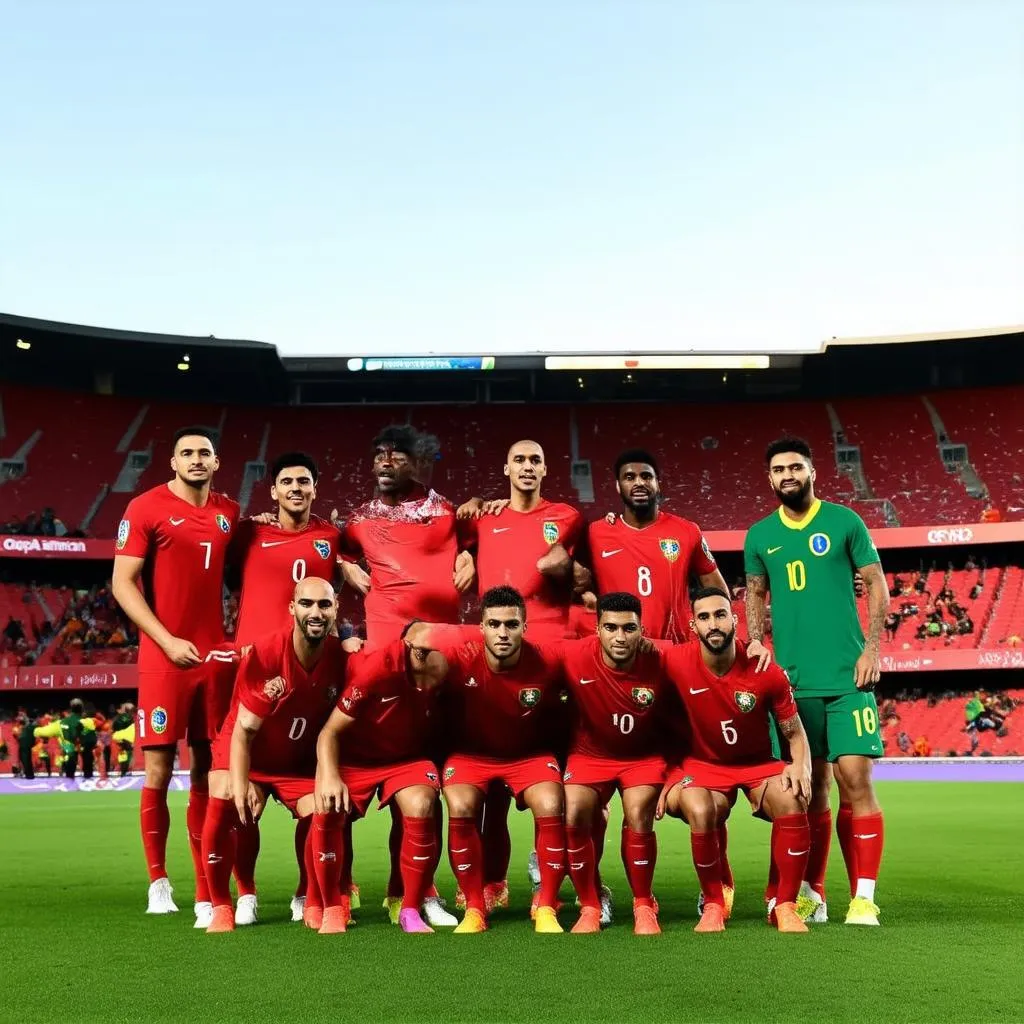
428, 447
636, 455
788, 444
287, 459
77, 705
195, 431
503, 597
619, 601
701, 592
400, 436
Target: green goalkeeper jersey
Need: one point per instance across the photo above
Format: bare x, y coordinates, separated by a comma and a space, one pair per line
809, 568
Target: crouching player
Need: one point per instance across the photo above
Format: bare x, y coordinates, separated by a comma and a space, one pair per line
375, 743
285, 689
727, 702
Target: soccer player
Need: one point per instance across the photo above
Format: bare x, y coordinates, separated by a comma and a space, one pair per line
804, 554
168, 577
285, 690
530, 547
70, 736
616, 693
728, 705
271, 557
377, 741
504, 703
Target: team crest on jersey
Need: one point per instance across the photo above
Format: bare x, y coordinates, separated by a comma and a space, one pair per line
158, 720
567, 776
529, 697
471, 681
273, 689
643, 696
686, 780
448, 773
669, 548
322, 548
551, 532
123, 529
745, 700
820, 543
224, 523
432, 776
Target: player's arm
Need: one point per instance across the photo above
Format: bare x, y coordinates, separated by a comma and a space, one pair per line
464, 571
128, 594
868, 669
330, 792
477, 508
756, 602
796, 776
350, 550
247, 801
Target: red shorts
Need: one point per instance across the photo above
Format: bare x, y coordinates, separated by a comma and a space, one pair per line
518, 775
606, 774
384, 780
220, 684
285, 789
172, 706
726, 778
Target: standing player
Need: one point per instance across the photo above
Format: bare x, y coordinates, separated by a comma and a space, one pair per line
377, 741
504, 702
271, 557
803, 554
728, 706
286, 687
529, 547
616, 693
168, 578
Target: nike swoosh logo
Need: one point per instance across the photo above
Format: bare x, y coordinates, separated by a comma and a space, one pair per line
796, 853
272, 543
608, 554
771, 551
711, 865
873, 835
384, 700
421, 858
176, 522
584, 682
705, 690
501, 529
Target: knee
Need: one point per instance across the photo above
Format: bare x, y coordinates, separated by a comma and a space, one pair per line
639, 819
548, 802
855, 785
420, 805
702, 818
579, 815
460, 805
158, 775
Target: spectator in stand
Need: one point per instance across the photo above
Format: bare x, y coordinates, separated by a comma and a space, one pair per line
991, 514
922, 748
898, 583
964, 625
970, 565
920, 583
903, 742
892, 623
14, 632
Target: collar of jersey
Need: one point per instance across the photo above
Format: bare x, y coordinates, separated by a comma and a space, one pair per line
640, 529
806, 521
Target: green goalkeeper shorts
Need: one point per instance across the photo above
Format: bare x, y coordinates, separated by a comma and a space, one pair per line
841, 725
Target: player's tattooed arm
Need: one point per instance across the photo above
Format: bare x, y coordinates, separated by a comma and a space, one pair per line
868, 669
796, 776
756, 606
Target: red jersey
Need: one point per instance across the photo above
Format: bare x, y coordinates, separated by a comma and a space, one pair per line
185, 549
393, 718
615, 714
728, 714
293, 703
272, 561
656, 564
507, 715
509, 546
411, 549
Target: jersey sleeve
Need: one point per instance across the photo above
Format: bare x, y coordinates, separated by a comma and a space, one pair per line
584, 545
349, 547
465, 534
135, 532
703, 561
782, 702
575, 534
753, 564
259, 689
859, 543
362, 673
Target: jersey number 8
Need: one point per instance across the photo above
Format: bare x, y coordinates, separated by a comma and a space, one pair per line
643, 581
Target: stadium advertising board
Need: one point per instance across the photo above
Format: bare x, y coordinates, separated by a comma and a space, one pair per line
55, 547
70, 677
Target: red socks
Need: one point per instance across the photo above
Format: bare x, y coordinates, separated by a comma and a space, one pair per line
641, 856
820, 823
155, 823
466, 858
497, 843
301, 835
579, 852
868, 831
791, 841
247, 849
327, 841
598, 831
723, 859
417, 859
314, 897
707, 861
844, 830
218, 848
395, 853
195, 818
550, 847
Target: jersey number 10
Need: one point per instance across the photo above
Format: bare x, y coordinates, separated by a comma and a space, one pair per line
796, 573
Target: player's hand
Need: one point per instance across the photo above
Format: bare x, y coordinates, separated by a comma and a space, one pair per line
472, 509
265, 519
330, 793
335, 517
182, 653
555, 563
758, 652
868, 670
589, 599
465, 572
496, 506
798, 781
254, 802
659, 811
353, 645
356, 577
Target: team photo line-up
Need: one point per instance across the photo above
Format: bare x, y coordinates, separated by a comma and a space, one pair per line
605, 658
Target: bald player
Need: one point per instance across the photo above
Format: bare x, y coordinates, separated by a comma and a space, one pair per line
528, 546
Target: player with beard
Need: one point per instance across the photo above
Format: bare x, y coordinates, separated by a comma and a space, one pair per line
287, 684
168, 577
419, 568
656, 556
728, 742
804, 554
529, 545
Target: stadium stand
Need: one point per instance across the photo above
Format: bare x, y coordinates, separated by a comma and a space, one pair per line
937, 725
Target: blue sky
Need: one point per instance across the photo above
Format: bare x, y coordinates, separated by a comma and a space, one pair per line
410, 176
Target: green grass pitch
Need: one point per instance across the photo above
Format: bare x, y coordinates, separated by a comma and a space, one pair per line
78, 947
